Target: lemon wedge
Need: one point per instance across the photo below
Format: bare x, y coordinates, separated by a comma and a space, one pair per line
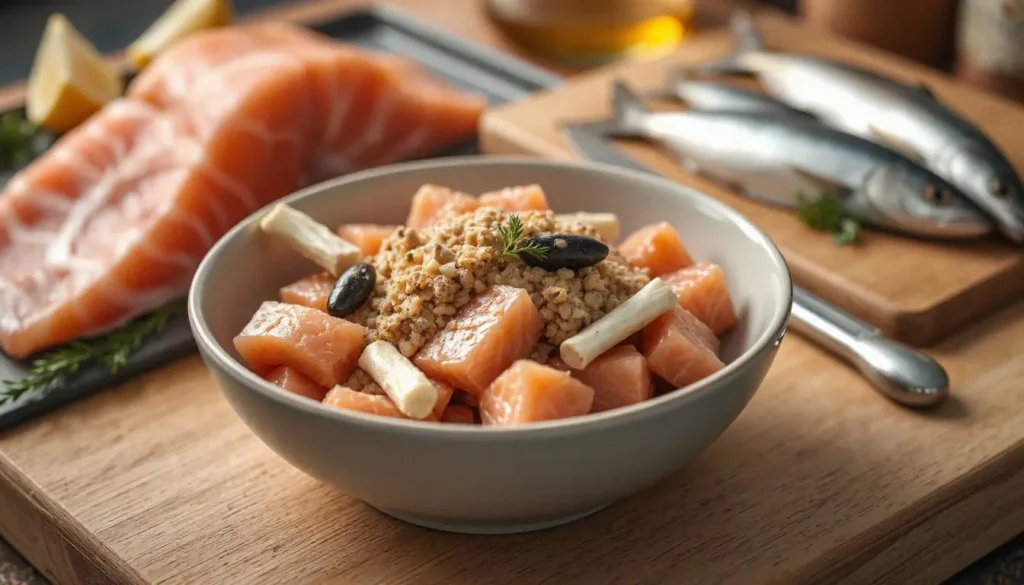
183, 18
69, 80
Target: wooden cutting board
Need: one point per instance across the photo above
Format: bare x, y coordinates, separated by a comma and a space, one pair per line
913, 290
818, 481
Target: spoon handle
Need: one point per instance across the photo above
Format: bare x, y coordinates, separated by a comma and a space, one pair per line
899, 372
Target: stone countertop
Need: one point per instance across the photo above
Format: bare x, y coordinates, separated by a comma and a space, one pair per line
111, 25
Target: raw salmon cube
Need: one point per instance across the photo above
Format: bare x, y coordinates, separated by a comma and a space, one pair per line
680, 348
379, 404
702, 291
368, 237
485, 337
619, 377
324, 348
344, 397
458, 414
311, 291
531, 392
636, 340
463, 397
444, 397
528, 198
295, 382
432, 204
656, 247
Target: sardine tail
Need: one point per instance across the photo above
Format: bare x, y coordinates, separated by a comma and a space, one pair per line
627, 109
746, 40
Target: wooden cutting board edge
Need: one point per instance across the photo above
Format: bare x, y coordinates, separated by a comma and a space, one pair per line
939, 536
45, 534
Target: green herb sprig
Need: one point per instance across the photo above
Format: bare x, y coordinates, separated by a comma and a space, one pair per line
827, 215
17, 140
513, 245
111, 350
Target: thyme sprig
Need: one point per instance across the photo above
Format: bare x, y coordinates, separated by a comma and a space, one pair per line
111, 351
513, 245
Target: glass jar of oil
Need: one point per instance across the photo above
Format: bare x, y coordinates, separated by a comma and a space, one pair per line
588, 32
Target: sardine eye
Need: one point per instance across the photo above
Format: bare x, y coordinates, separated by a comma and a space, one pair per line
939, 197
998, 188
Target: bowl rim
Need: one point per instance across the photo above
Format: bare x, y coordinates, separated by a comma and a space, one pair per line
240, 374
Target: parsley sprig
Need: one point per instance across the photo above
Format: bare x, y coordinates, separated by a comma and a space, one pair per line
17, 140
827, 215
513, 245
111, 350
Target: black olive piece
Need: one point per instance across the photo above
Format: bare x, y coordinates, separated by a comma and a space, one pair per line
565, 251
352, 290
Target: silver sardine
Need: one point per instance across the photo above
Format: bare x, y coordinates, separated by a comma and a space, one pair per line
905, 117
711, 96
777, 159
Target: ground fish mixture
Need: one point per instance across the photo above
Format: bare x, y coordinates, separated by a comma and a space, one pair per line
425, 276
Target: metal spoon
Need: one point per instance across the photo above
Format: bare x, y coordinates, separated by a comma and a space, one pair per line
901, 373
897, 371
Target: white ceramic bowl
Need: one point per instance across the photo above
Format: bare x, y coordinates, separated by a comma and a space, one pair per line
485, 479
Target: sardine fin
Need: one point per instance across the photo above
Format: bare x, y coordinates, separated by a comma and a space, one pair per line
822, 186
728, 66
627, 110
746, 39
744, 33
923, 89
897, 144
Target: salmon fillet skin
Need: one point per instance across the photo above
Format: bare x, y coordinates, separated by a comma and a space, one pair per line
112, 221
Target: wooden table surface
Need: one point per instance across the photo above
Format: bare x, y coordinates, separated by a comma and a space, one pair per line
463, 17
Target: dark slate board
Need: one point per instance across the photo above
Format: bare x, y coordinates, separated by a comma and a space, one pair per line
499, 77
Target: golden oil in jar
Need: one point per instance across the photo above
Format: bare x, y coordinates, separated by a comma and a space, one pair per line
588, 32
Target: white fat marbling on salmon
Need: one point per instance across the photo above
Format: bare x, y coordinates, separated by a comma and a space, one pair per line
342, 102
374, 133
411, 143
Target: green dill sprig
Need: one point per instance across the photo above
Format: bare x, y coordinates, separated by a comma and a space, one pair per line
513, 245
17, 140
111, 350
827, 215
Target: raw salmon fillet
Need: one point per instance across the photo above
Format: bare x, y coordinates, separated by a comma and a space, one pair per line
458, 414
371, 109
531, 392
619, 377
527, 198
324, 348
368, 237
656, 247
680, 348
295, 382
112, 221
702, 290
431, 204
311, 291
498, 327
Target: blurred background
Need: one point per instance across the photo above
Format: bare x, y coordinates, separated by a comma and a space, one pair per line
982, 41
